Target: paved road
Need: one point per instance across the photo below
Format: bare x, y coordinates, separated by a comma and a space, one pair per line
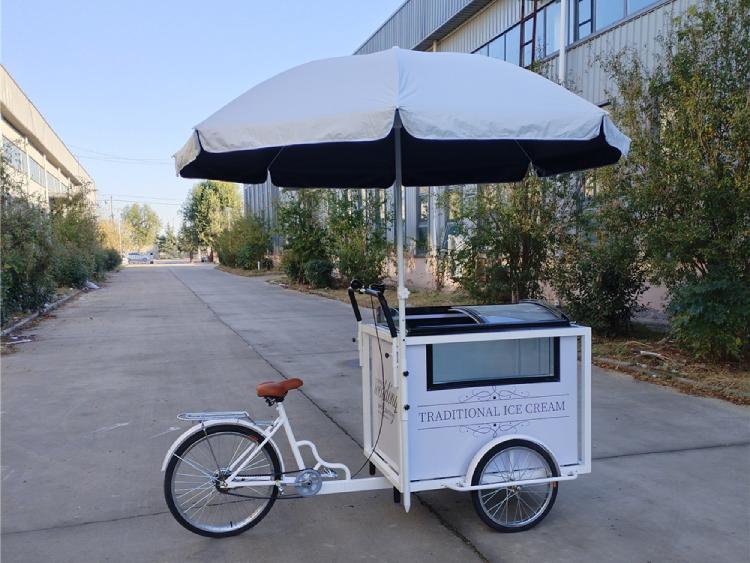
88, 412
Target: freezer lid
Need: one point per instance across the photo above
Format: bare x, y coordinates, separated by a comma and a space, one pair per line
436, 320
521, 313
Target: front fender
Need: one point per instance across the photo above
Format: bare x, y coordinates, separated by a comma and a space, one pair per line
489, 445
199, 428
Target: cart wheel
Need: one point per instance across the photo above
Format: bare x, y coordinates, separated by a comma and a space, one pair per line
514, 508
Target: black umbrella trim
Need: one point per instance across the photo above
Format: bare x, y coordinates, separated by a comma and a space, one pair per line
370, 164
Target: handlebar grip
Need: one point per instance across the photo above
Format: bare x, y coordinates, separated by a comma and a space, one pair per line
385, 308
355, 306
376, 290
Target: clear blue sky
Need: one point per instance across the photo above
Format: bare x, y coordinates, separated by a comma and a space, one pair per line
128, 79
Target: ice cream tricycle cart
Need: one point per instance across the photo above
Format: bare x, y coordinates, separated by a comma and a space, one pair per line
493, 400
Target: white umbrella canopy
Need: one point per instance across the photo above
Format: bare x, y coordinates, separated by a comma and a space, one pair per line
466, 119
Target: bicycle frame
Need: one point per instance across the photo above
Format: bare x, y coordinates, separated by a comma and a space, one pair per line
348, 484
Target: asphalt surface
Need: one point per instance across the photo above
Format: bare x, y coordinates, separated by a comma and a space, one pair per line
88, 412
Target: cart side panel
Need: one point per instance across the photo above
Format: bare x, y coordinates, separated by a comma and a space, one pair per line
449, 426
382, 405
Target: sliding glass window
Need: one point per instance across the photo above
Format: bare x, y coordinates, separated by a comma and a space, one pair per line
636, 5
513, 45
608, 12
497, 48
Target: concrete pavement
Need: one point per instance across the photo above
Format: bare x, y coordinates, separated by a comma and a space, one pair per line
88, 412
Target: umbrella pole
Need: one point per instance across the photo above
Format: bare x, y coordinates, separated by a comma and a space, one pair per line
403, 295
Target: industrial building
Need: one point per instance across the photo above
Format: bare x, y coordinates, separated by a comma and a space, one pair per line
40, 161
566, 40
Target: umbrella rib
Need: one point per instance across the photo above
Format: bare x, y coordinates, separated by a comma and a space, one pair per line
523, 150
274, 158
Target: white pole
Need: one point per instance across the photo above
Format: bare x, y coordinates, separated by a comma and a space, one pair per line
563, 34
403, 295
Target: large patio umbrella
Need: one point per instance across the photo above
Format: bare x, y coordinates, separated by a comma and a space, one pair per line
400, 117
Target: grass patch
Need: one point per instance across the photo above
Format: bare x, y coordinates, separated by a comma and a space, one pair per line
652, 356
417, 297
246, 273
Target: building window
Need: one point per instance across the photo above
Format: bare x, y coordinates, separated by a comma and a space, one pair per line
36, 171
527, 49
587, 16
637, 5
546, 37
423, 221
513, 45
496, 48
607, 12
14, 155
551, 28
451, 202
584, 17
53, 184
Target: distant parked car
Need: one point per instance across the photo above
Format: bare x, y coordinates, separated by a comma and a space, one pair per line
138, 258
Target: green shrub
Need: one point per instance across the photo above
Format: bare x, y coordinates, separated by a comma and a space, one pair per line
42, 249
105, 260
687, 176
710, 316
357, 235
113, 259
318, 273
506, 234
599, 272
292, 266
27, 253
245, 244
305, 235
72, 268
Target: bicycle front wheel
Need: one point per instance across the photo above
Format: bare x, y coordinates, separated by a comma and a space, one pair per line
193, 482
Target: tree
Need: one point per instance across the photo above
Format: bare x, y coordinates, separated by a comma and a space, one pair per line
211, 206
598, 270
357, 234
187, 240
687, 177
506, 233
244, 244
110, 234
27, 249
142, 224
167, 243
306, 237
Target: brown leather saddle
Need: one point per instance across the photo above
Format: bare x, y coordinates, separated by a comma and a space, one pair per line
277, 390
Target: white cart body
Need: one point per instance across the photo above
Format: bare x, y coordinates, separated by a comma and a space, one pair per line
434, 435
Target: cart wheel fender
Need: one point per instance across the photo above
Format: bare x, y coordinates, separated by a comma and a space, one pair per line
199, 428
491, 444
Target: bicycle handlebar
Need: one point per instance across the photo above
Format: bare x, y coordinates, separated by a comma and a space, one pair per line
375, 290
